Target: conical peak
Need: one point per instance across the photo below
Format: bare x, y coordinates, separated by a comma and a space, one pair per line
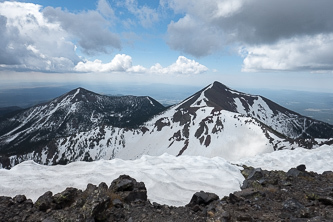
212, 95
218, 85
80, 90
220, 88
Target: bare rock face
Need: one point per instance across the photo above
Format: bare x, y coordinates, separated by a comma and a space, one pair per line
268, 196
128, 189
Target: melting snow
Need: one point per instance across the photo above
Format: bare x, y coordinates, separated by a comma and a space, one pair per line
317, 160
169, 180
239, 105
77, 92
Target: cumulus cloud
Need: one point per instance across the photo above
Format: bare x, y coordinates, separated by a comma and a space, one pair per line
33, 38
183, 65
312, 53
29, 42
91, 28
120, 62
123, 63
254, 25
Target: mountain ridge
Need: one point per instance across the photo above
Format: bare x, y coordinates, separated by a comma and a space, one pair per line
224, 98
215, 121
73, 112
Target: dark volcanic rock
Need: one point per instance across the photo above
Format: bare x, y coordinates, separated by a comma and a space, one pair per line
255, 174
128, 189
326, 200
295, 172
301, 167
45, 201
293, 196
124, 200
203, 198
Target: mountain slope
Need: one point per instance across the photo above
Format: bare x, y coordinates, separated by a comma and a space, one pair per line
189, 128
205, 132
284, 121
77, 111
216, 121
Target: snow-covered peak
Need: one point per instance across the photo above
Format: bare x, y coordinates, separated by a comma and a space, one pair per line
77, 111
280, 119
216, 121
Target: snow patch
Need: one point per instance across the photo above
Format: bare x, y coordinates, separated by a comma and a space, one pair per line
150, 101
239, 106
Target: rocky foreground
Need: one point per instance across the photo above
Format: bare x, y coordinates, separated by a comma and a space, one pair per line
297, 195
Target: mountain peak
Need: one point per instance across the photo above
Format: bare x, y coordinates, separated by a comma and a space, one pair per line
280, 119
218, 84
79, 90
77, 95
214, 95
79, 110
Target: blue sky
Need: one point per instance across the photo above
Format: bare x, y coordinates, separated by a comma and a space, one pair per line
241, 43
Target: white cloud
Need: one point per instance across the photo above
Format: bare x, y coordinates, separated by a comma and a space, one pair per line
275, 34
194, 37
300, 53
89, 28
33, 38
29, 41
137, 69
227, 8
123, 63
198, 32
120, 63
206, 10
183, 65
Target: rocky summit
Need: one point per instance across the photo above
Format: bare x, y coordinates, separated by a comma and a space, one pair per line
296, 195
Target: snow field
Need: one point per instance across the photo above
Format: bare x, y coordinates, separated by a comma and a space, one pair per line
316, 160
169, 180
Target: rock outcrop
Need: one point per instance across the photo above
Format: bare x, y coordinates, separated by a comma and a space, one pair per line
296, 195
